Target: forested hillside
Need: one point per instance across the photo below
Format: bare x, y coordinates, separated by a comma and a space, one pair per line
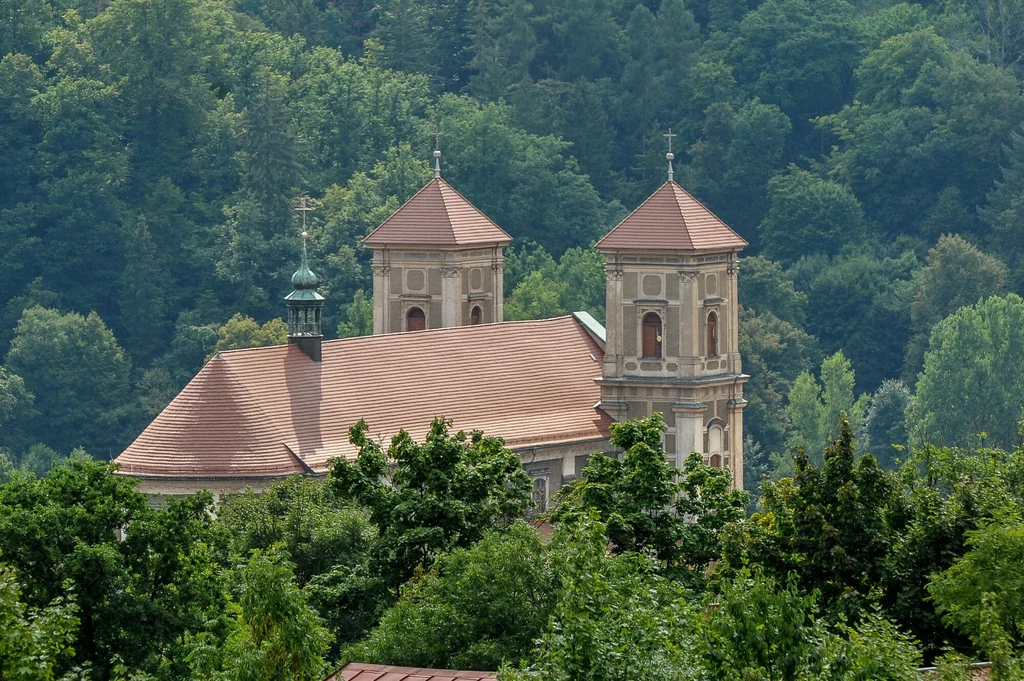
151, 152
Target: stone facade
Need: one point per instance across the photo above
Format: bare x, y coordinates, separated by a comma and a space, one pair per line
450, 286
686, 305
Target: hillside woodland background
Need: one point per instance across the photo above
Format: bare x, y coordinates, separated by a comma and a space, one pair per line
872, 153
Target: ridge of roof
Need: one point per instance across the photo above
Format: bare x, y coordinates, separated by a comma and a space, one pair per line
444, 329
671, 219
437, 215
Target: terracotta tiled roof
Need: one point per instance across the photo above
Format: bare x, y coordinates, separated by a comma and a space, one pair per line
437, 215
671, 219
355, 671
265, 412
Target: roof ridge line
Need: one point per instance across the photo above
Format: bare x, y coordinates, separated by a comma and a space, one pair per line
447, 208
448, 328
471, 205
301, 461
251, 399
404, 204
673, 185
630, 214
711, 212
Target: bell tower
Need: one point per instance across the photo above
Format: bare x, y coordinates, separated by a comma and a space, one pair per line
438, 261
672, 326
304, 307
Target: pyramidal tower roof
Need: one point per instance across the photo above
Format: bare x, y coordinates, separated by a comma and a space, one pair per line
437, 216
671, 220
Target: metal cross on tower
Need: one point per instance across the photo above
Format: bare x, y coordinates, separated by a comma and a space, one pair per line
305, 205
670, 156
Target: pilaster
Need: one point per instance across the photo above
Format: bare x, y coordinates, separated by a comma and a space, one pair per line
451, 284
498, 268
612, 365
381, 294
736, 406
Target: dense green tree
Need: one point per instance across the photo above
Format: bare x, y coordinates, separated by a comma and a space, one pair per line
614, 617
244, 332
956, 274
738, 152
828, 526
427, 498
649, 507
193, 342
809, 214
775, 352
574, 284
476, 608
15, 405
31, 640
859, 303
503, 45
884, 430
297, 514
166, 58
357, 317
926, 119
776, 54
815, 409
526, 183
982, 588
1004, 212
403, 33
971, 386
67, 528
765, 288
758, 628
80, 377
272, 633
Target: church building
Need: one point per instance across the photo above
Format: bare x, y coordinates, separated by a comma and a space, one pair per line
440, 347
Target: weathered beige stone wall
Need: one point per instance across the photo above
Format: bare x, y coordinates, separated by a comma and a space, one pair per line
700, 396
445, 283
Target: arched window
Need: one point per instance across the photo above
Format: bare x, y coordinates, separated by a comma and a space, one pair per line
715, 446
712, 334
652, 335
476, 316
415, 320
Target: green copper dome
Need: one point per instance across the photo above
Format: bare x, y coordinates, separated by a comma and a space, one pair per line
304, 278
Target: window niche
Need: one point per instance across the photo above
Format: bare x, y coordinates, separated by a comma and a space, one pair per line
651, 330
712, 334
415, 319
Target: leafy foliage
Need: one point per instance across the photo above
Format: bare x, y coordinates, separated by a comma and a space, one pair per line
648, 507
31, 642
475, 609
831, 527
427, 498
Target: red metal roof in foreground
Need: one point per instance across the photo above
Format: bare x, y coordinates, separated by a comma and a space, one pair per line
355, 671
268, 412
437, 215
672, 220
